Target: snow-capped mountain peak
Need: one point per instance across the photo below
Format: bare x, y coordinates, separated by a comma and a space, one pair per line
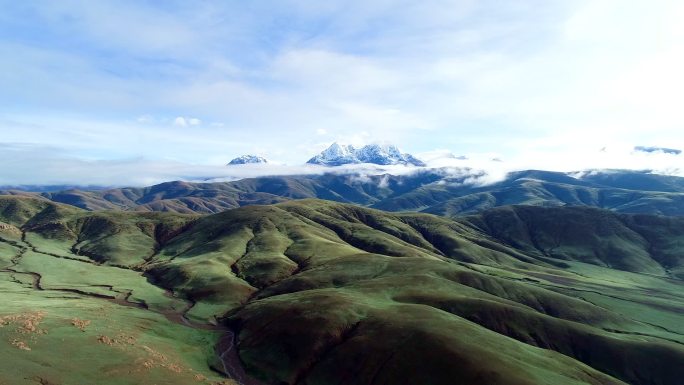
339, 151
335, 155
383, 154
247, 159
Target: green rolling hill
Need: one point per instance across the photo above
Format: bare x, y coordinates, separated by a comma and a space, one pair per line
435, 191
318, 292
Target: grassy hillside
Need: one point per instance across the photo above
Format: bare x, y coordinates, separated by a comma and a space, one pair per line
62, 309
535, 190
326, 293
638, 243
439, 191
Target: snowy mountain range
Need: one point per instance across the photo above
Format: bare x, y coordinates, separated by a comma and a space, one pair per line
247, 159
340, 154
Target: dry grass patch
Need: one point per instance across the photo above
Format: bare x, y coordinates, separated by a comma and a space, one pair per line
26, 327
80, 323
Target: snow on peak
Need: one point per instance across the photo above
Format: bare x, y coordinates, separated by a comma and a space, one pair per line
382, 154
247, 159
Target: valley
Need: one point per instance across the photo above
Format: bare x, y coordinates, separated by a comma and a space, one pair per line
318, 292
341, 192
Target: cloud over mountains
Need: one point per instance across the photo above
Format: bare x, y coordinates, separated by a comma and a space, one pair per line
27, 164
444, 74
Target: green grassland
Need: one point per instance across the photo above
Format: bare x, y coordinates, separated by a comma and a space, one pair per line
55, 337
437, 191
327, 293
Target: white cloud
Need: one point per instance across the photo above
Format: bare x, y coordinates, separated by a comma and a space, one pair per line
27, 164
30, 164
538, 84
438, 154
183, 121
384, 182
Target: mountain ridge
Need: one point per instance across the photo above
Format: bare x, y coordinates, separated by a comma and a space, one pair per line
386, 154
436, 191
307, 286
247, 159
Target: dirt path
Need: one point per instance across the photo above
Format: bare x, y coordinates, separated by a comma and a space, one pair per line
232, 366
226, 349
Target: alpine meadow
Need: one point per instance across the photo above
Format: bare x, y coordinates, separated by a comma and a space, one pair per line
401, 192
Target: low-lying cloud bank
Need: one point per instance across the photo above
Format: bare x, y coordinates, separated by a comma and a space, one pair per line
553, 158
22, 165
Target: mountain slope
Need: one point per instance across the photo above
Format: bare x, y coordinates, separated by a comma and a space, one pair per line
542, 188
61, 308
321, 292
440, 191
638, 243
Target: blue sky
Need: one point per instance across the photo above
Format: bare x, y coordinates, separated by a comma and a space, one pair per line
176, 84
